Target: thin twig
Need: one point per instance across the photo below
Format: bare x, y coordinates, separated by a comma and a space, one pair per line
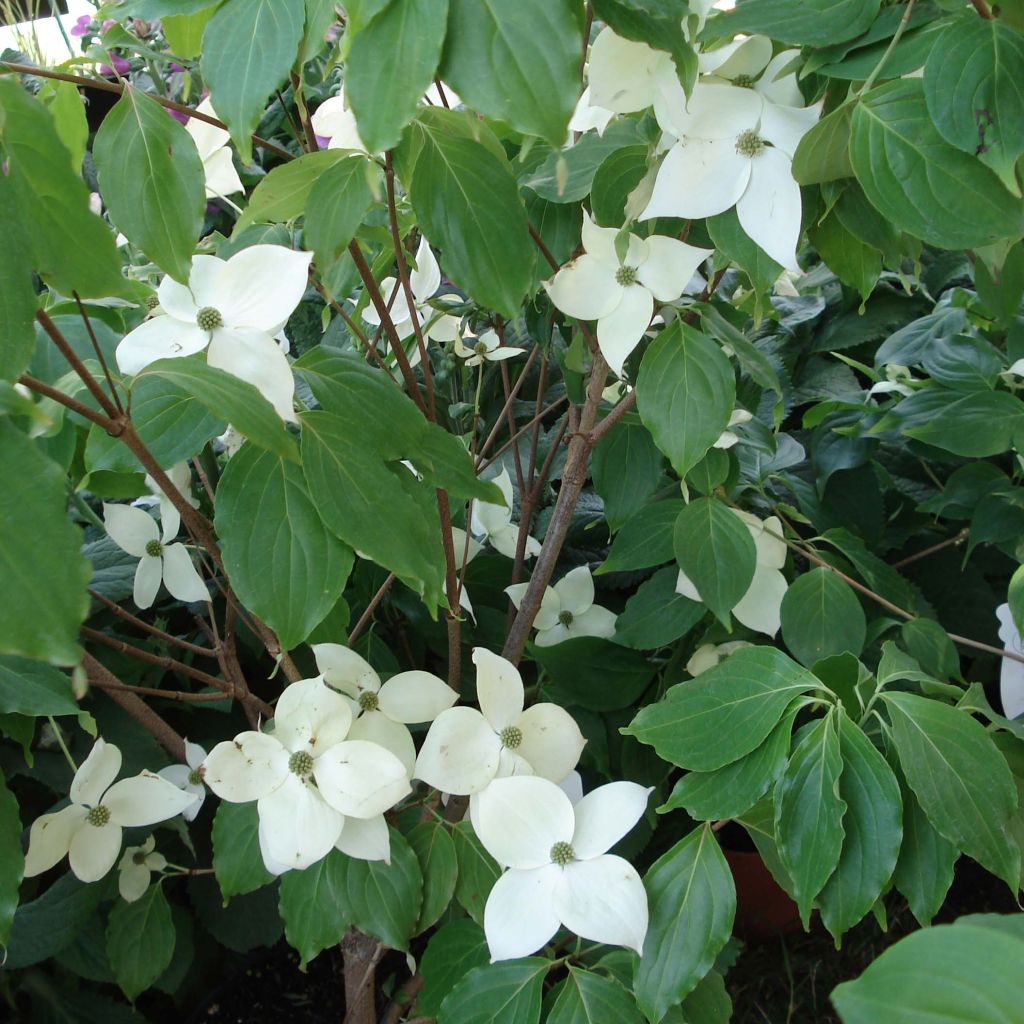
522, 430
99, 353
361, 624
123, 613
40, 388
77, 365
948, 542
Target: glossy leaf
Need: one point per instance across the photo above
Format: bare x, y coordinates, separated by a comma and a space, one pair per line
314, 905
656, 615
589, 998
283, 194
646, 539
823, 153
503, 993
626, 467
452, 952
338, 202
821, 617
140, 940
478, 871
237, 860
815, 22
435, 851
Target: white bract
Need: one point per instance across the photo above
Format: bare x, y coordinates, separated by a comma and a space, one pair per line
559, 870
727, 438
215, 152
181, 476
188, 777
587, 116
494, 523
334, 121
626, 76
384, 710
760, 608
1011, 674
567, 609
620, 293
709, 655
136, 532
486, 348
308, 780
749, 63
734, 149
466, 749
135, 867
232, 308
89, 829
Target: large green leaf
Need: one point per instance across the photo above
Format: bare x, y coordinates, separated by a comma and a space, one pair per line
823, 153
151, 179
809, 812
17, 293
452, 952
465, 197
435, 850
656, 615
34, 688
919, 181
173, 423
821, 617
646, 539
283, 193
724, 713
140, 940
501, 993
537, 46
685, 393
12, 861
406, 37
588, 998
71, 248
714, 548
974, 85
45, 575
872, 827
338, 201
237, 860
248, 49
626, 467
693, 902
284, 564
960, 778
314, 905
814, 22
952, 974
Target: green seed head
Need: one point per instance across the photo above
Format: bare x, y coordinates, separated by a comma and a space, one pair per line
152, 302
562, 854
480, 348
625, 276
208, 318
195, 777
301, 763
565, 618
154, 548
511, 737
749, 143
98, 816
369, 701
743, 81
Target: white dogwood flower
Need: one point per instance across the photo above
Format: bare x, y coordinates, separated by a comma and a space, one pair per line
760, 608
384, 710
587, 115
88, 830
135, 867
559, 870
232, 308
215, 152
625, 76
306, 777
748, 62
734, 149
181, 476
465, 749
188, 777
136, 532
567, 609
494, 523
619, 293
486, 348
334, 121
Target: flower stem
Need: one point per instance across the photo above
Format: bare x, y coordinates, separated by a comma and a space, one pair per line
60, 741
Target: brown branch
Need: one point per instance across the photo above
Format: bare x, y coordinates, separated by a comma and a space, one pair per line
522, 430
948, 542
625, 404
361, 954
99, 353
364, 619
68, 402
155, 691
403, 1000
123, 613
77, 365
982, 9
489, 440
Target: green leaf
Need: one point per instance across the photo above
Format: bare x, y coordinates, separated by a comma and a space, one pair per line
656, 615
626, 468
71, 247
974, 85
248, 50
237, 860
502, 993
975, 424
872, 827
12, 861
338, 201
589, 998
809, 812
478, 871
152, 180
435, 851
708, 1003
184, 32
537, 46
452, 952
283, 194
714, 548
226, 395
594, 673
724, 713
619, 173
739, 248
856, 264
172, 423
284, 564
693, 902
465, 197
823, 154
362, 12
314, 905
815, 22
140, 940
646, 539
921, 183
17, 292
734, 788
945, 975
44, 572
960, 778
372, 508
821, 617
685, 393
407, 35
657, 23
34, 688
67, 106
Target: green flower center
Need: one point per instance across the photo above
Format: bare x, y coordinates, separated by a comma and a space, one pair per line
152, 302
749, 143
195, 777
154, 548
369, 701
208, 318
511, 737
98, 816
565, 618
480, 348
625, 275
562, 854
301, 763
744, 81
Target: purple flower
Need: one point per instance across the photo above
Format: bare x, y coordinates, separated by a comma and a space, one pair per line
81, 26
121, 66
106, 24
178, 115
175, 68
323, 141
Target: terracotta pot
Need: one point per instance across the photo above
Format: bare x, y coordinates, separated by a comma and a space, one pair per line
763, 909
